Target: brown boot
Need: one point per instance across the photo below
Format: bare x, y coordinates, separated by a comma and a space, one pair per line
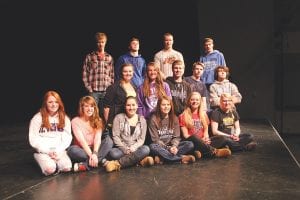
185, 159
147, 161
222, 153
157, 160
113, 165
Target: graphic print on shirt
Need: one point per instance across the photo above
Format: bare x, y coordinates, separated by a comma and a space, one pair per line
165, 133
179, 92
53, 128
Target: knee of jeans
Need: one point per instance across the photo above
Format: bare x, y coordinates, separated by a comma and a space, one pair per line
115, 154
145, 149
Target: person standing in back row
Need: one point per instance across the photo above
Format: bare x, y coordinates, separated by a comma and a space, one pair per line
211, 60
98, 71
167, 56
138, 62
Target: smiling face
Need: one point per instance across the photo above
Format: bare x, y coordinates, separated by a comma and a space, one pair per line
127, 73
130, 107
88, 109
52, 105
152, 72
195, 101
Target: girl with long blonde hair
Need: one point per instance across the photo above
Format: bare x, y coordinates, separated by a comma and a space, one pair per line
194, 127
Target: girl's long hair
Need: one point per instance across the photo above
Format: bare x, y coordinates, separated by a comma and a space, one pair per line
95, 120
187, 113
160, 90
159, 116
45, 113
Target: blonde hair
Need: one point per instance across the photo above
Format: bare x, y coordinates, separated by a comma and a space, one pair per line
187, 113
160, 90
99, 36
228, 96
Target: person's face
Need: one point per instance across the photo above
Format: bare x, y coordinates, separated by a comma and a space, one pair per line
178, 71
198, 71
52, 105
101, 43
221, 74
195, 101
134, 46
168, 42
165, 106
88, 110
127, 73
208, 47
225, 104
152, 73
130, 107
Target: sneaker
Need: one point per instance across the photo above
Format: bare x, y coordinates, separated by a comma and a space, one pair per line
250, 146
147, 161
157, 160
113, 165
197, 154
187, 159
79, 167
222, 153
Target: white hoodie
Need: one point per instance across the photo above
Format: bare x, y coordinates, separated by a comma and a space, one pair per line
55, 139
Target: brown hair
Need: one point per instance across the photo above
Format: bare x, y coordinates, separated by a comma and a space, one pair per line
158, 113
224, 68
208, 39
198, 63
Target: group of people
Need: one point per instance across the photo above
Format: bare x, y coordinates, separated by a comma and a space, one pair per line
139, 113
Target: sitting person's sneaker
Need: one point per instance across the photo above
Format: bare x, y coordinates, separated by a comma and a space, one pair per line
157, 160
147, 161
79, 167
197, 154
113, 165
222, 153
185, 159
250, 146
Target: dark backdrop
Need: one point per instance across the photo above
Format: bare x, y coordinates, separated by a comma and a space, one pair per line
43, 44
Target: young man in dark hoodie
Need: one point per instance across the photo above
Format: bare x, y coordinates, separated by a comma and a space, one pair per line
180, 89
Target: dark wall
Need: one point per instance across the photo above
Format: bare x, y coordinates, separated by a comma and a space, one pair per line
43, 44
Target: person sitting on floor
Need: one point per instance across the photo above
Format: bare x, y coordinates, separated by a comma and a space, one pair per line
50, 135
129, 133
225, 122
90, 145
194, 127
164, 129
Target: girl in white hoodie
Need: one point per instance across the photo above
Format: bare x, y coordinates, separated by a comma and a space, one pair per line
50, 135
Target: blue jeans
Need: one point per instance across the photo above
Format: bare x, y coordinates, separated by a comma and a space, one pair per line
130, 159
183, 148
77, 154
